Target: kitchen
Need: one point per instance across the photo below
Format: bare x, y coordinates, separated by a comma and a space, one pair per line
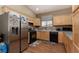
40, 28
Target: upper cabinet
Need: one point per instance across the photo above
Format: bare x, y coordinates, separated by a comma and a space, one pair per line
36, 22
75, 7
62, 20
58, 20
30, 19
76, 27
5, 9
75, 21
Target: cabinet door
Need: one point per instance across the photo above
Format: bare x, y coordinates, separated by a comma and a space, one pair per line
30, 19
65, 42
5, 9
76, 28
43, 35
63, 20
60, 36
68, 43
75, 49
68, 20
36, 22
0, 10
57, 20
38, 35
74, 7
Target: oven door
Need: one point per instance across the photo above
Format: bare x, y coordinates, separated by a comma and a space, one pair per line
32, 37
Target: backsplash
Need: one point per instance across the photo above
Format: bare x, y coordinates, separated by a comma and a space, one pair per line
46, 29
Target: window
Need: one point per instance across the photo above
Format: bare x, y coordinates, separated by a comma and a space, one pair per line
46, 21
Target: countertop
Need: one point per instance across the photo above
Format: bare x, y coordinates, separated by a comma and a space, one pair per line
51, 31
47, 31
69, 34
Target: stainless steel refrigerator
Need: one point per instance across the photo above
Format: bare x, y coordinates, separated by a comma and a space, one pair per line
14, 28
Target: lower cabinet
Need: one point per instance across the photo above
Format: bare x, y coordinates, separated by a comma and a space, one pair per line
75, 49
43, 35
48, 36
68, 43
60, 36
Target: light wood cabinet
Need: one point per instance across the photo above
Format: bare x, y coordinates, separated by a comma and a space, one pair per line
75, 7
30, 19
57, 20
68, 43
43, 35
75, 21
0, 10
36, 22
60, 37
5, 9
76, 27
75, 49
63, 20
68, 20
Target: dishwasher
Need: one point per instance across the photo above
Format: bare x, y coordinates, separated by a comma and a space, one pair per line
54, 37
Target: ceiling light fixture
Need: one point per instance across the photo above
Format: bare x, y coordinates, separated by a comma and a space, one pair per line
37, 9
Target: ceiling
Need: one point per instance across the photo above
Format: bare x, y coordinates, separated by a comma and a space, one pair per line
47, 8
